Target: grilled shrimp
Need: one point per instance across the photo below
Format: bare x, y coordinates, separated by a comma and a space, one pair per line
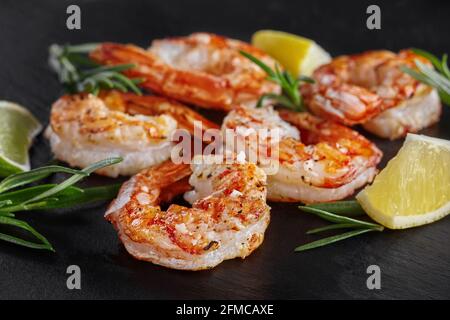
328, 163
203, 69
85, 128
371, 89
228, 218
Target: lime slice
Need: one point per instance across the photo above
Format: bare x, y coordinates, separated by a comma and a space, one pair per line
414, 188
17, 129
299, 55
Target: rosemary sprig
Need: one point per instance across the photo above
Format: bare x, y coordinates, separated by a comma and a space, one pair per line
74, 179
47, 196
17, 198
19, 179
43, 242
78, 73
290, 95
350, 208
331, 227
332, 239
71, 196
340, 222
335, 218
87, 195
438, 78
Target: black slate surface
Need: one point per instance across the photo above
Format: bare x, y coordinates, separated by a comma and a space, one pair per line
414, 263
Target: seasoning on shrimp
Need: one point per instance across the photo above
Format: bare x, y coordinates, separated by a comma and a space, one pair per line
317, 160
203, 69
228, 218
85, 128
371, 89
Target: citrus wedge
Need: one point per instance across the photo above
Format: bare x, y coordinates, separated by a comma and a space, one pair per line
414, 188
297, 54
18, 127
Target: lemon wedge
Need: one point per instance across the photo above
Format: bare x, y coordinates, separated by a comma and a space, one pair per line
301, 56
414, 188
17, 129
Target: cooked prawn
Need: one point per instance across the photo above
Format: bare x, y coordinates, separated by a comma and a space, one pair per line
367, 88
228, 218
328, 163
85, 128
203, 69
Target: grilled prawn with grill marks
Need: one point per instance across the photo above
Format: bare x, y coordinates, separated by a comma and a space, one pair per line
203, 69
371, 89
85, 128
316, 160
228, 217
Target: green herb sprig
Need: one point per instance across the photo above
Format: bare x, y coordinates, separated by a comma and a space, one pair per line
290, 96
47, 196
328, 212
78, 73
347, 208
438, 78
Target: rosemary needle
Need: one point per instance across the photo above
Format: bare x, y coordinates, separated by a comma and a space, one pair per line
44, 244
331, 227
22, 178
338, 218
348, 208
75, 178
290, 96
47, 196
438, 78
340, 222
332, 239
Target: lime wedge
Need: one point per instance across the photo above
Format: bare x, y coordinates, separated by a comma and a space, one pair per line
299, 55
17, 130
414, 188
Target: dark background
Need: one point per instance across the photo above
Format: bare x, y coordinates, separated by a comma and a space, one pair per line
414, 263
